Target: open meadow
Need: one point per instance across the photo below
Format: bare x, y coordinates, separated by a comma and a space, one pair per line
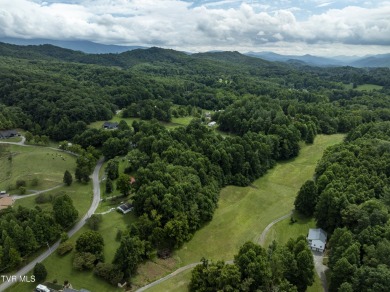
244, 212
40, 167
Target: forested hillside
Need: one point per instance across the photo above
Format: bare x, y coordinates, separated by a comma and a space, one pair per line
268, 108
351, 196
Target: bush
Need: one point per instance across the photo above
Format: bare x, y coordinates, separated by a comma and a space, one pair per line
42, 199
108, 272
65, 248
39, 272
20, 183
94, 221
64, 237
84, 261
118, 235
22, 190
34, 182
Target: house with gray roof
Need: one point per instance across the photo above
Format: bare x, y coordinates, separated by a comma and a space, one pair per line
316, 239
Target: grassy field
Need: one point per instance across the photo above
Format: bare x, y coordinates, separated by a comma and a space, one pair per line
244, 212
81, 195
284, 230
364, 87
175, 284
27, 163
60, 267
369, 87
176, 122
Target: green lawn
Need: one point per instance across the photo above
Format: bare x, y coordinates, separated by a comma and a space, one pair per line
369, 87
284, 230
178, 283
12, 139
116, 118
81, 195
244, 212
47, 165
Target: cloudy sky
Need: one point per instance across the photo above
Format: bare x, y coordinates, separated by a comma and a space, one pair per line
321, 27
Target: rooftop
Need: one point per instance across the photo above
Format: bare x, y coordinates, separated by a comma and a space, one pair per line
317, 234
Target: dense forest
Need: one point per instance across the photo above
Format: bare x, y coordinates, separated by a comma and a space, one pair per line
288, 268
268, 109
350, 198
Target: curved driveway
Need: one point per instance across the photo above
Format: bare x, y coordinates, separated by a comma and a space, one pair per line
190, 266
77, 227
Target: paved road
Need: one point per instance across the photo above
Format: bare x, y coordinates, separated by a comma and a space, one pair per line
77, 227
190, 266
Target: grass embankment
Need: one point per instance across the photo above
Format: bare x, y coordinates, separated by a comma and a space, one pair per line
28, 162
243, 213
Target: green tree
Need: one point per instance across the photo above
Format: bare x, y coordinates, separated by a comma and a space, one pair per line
84, 166
129, 254
342, 272
94, 221
123, 184
90, 241
254, 266
84, 261
68, 179
108, 272
40, 272
109, 186
64, 212
112, 169
306, 199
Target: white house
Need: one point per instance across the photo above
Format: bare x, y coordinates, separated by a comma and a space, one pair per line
212, 124
317, 239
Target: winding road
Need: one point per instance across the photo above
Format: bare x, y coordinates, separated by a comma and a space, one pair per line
77, 227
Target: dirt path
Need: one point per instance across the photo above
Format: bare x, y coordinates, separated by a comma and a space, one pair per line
16, 197
320, 269
190, 266
266, 230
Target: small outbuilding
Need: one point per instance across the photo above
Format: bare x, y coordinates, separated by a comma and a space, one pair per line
8, 134
316, 239
125, 208
6, 201
110, 126
212, 124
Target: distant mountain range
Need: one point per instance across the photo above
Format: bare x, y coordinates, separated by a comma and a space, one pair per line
83, 46
354, 61
305, 60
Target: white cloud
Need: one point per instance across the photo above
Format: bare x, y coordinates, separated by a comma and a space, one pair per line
174, 23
